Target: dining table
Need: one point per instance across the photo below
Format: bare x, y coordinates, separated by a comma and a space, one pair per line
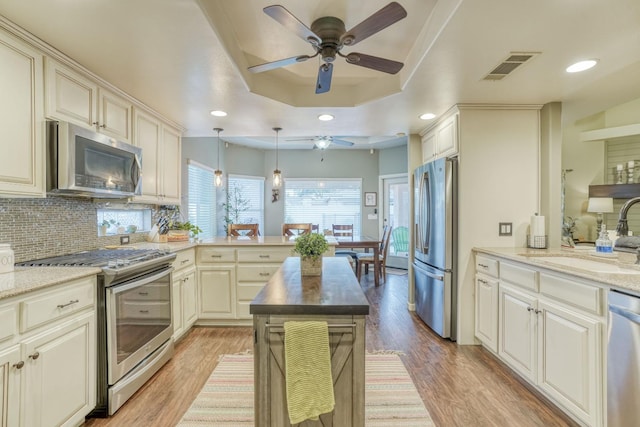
366, 243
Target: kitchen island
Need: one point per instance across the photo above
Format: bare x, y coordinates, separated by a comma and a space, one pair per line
334, 297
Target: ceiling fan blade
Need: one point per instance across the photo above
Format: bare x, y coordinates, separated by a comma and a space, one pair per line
374, 62
277, 64
390, 14
293, 24
342, 142
324, 78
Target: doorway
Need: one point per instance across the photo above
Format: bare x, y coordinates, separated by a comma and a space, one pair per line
395, 196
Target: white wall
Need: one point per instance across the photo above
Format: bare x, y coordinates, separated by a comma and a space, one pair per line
498, 182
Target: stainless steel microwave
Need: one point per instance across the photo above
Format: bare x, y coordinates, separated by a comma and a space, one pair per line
82, 162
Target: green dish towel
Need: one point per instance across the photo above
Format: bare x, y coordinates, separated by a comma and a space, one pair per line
308, 370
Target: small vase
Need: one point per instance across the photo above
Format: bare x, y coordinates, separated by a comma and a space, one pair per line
102, 230
311, 266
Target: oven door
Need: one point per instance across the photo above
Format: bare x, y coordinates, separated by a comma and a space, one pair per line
138, 314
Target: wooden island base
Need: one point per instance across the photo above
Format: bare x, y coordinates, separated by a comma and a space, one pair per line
334, 297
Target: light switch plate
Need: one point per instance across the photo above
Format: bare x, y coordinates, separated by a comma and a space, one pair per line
505, 229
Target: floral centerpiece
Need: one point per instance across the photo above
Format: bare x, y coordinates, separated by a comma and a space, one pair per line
311, 247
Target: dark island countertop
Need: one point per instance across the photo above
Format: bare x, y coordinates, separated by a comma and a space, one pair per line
336, 292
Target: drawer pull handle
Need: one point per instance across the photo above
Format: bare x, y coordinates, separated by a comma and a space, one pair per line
34, 356
144, 311
18, 365
265, 274
483, 281
74, 301
183, 261
216, 256
143, 293
538, 311
530, 309
483, 265
265, 256
185, 279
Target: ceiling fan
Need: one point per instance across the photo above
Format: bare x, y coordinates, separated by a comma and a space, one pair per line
328, 36
323, 142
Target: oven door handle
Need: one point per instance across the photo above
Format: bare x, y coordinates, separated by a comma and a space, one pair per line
140, 282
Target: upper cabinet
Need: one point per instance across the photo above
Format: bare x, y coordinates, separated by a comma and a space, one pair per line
160, 159
72, 97
441, 140
22, 162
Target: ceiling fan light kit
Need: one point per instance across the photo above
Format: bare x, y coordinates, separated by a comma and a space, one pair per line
328, 36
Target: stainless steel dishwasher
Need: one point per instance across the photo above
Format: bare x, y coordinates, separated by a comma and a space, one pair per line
623, 360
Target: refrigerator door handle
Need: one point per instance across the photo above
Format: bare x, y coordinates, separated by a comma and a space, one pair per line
438, 277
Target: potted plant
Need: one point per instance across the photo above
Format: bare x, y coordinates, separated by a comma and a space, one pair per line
311, 247
182, 230
102, 227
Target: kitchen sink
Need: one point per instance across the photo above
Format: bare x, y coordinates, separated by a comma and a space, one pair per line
587, 264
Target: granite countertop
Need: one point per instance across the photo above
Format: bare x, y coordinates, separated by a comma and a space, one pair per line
259, 240
336, 292
28, 279
624, 274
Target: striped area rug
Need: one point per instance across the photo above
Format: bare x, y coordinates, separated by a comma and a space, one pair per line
226, 399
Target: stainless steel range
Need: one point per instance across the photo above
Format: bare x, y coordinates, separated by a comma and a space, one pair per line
134, 318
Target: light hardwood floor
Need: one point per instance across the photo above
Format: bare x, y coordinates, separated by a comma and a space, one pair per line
460, 385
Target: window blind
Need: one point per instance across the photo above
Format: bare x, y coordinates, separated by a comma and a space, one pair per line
202, 198
323, 202
245, 200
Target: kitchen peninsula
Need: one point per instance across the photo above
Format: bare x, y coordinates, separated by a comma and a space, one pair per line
334, 297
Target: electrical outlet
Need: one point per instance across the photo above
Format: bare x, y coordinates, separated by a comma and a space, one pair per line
505, 229
124, 240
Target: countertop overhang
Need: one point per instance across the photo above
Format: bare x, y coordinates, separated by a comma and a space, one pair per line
335, 292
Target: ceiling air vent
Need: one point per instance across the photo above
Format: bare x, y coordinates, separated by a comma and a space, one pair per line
507, 66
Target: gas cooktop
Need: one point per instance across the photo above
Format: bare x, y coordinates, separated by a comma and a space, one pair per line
109, 258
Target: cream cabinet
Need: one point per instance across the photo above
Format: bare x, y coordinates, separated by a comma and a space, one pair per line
160, 159
549, 329
71, 96
217, 292
441, 140
486, 320
48, 356
184, 297
22, 167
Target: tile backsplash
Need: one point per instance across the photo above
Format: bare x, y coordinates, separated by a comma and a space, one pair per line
39, 228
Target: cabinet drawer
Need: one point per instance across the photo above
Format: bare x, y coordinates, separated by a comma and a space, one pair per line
248, 291
266, 254
256, 273
8, 322
150, 292
184, 259
216, 254
487, 265
520, 276
587, 297
51, 306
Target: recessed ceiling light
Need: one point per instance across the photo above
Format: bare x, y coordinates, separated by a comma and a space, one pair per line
325, 117
581, 66
427, 116
218, 113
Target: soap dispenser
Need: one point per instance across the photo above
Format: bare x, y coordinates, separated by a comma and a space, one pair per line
604, 243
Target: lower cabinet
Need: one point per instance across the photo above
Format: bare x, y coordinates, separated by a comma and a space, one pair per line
550, 330
48, 372
184, 302
217, 292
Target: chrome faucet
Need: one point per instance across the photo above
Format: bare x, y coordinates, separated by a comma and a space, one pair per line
622, 228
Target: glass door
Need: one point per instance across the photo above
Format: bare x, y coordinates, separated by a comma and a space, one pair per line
396, 214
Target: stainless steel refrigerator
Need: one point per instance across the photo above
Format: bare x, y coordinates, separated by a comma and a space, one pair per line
436, 235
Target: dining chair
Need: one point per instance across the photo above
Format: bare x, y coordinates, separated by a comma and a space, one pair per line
291, 229
315, 228
366, 258
243, 230
342, 230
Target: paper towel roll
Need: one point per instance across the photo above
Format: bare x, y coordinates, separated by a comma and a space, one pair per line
537, 226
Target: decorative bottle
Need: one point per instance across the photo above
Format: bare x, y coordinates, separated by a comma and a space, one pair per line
604, 243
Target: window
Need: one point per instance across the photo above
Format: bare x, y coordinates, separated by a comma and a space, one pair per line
202, 198
245, 201
120, 221
324, 202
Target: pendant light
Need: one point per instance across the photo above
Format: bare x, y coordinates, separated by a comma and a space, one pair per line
277, 175
218, 173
